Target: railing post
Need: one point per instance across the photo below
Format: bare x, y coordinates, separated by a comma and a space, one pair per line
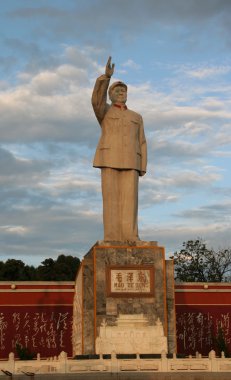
138, 361
63, 362
114, 362
212, 357
11, 362
164, 362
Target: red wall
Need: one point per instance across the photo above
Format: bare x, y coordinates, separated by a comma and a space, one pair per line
38, 315
201, 309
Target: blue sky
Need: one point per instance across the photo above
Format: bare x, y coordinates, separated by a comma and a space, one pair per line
175, 56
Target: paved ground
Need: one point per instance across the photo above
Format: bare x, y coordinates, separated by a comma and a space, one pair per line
126, 376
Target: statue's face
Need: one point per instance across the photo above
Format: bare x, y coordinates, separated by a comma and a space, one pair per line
119, 95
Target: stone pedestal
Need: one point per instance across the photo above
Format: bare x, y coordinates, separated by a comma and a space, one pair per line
124, 293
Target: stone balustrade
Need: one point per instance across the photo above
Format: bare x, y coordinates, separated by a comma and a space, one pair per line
116, 363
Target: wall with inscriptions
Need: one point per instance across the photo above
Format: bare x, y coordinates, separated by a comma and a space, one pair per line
201, 311
39, 316
44, 330
36, 316
198, 326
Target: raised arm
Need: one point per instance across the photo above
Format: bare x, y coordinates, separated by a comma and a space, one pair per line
109, 69
99, 95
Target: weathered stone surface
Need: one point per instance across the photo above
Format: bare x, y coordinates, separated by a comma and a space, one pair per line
100, 305
88, 304
77, 329
170, 295
135, 333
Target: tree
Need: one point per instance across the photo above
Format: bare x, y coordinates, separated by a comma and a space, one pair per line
24, 353
13, 269
2, 270
196, 263
62, 269
16, 270
221, 344
46, 271
66, 267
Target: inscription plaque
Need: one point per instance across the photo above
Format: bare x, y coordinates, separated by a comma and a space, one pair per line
130, 280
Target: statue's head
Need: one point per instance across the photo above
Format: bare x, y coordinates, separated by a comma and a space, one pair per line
118, 92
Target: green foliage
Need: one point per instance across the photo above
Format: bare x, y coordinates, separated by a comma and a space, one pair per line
62, 269
66, 267
196, 263
220, 344
24, 353
16, 270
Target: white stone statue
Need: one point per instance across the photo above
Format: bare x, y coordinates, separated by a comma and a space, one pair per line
121, 155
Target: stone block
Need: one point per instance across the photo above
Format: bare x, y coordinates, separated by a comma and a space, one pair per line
123, 279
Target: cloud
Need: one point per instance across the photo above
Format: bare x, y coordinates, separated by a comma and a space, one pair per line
76, 20
19, 230
46, 213
54, 105
180, 115
50, 231
7, 63
131, 64
180, 150
223, 136
31, 12
176, 186
209, 72
12, 166
216, 235
85, 58
51, 106
217, 212
191, 179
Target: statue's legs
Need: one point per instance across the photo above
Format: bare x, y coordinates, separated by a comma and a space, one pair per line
120, 204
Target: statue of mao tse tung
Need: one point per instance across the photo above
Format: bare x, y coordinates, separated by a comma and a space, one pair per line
121, 155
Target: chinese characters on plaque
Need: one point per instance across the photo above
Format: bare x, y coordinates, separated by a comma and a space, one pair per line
131, 280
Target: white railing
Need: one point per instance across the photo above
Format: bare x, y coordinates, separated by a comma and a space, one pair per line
62, 364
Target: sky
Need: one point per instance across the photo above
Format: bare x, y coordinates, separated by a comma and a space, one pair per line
175, 57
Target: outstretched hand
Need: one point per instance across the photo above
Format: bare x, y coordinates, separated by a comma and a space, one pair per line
109, 69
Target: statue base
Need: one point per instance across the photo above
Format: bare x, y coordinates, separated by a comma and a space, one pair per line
124, 300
